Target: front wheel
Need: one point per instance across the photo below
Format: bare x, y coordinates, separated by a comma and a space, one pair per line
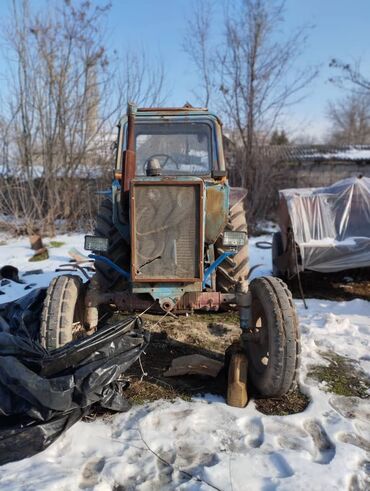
63, 312
272, 343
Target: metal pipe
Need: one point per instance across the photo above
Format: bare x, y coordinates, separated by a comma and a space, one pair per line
111, 264
129, 161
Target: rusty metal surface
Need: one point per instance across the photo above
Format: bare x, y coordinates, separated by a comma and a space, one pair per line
167, 230
209, 301
129, 163
217, 206
172, 109
191, 301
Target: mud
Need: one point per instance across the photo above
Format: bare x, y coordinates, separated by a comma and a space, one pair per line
340, 286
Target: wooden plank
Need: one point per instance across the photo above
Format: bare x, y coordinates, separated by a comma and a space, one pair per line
194, 365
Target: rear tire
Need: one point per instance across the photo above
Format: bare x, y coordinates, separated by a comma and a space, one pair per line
63, 310
118, 252
234, 267
273, 343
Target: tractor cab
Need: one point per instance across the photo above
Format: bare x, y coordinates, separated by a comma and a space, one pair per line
185, 141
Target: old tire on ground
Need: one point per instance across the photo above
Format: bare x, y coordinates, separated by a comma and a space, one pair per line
62, 312
118, 252
272, 344
235, 267
277, 250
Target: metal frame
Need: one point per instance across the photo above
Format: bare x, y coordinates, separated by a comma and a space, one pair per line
181, 115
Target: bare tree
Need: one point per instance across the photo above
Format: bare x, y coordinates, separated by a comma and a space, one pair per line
197, 44
350, 115
349, 75
141, 81
66, 97
350, 119
254, 80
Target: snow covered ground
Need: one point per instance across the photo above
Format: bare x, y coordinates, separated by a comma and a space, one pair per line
17, 252
327, 447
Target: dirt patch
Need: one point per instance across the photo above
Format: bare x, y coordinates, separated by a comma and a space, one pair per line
342, 376
39, 257
340, 286
206, 334
292, 403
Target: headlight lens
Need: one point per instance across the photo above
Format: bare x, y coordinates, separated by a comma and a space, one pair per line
94, 243
234, 239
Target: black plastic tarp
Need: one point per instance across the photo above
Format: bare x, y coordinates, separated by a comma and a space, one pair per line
41, 393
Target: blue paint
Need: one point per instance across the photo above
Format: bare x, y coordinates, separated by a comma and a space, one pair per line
159, 292
216, 264
110, 263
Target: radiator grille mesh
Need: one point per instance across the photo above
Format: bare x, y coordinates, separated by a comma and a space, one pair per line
167, 222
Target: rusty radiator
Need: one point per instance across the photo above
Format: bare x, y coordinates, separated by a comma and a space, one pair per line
167, 231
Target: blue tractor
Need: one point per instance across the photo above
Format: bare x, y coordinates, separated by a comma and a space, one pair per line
172, 237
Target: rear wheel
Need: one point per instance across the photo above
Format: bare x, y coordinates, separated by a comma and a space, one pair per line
234, 267
118, 252
63, 312
272, 343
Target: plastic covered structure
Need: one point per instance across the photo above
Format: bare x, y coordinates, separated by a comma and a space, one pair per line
41, 393
329, 225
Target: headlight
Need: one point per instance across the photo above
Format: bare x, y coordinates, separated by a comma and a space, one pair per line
94, 243
234, 239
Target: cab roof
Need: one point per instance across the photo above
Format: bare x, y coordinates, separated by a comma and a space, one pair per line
186, 111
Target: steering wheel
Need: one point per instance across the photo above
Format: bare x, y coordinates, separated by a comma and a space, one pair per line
163, 164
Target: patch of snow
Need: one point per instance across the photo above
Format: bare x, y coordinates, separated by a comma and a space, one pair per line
260, 255
349, 154
330, 242
267, 226
17, 252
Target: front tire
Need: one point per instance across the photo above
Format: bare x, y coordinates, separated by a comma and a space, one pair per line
63, 311
273, 342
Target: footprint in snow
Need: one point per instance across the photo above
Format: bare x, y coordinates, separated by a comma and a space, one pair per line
283, 468
91, 472
351, 407
356, 440
253, 430
360, 481
324, 448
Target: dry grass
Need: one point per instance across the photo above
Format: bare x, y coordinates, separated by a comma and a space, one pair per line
206, 334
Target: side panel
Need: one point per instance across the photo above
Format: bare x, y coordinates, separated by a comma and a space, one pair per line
217, 209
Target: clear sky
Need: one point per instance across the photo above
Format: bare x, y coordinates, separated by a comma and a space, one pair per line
341, 30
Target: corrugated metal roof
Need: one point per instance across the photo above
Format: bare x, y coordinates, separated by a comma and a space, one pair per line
318, 153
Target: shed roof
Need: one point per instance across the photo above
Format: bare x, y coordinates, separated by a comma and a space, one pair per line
318, 153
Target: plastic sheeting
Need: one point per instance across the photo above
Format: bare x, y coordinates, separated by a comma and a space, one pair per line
41, 393
331, 225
